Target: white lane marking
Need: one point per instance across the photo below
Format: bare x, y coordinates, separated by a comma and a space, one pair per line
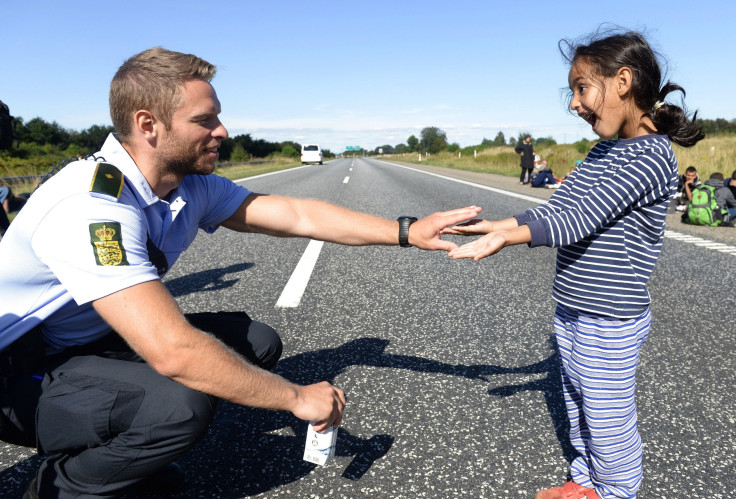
346, 180
294, 289
698, 241
351, 169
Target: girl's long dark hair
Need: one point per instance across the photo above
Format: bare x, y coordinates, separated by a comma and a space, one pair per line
607, 53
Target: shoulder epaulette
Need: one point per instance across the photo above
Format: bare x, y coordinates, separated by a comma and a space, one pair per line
107, 180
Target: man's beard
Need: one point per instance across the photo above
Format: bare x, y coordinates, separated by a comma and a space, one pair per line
181, 159
186, 164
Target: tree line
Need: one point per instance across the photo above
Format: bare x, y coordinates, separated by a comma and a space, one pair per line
433, 140
28, 138
717, 126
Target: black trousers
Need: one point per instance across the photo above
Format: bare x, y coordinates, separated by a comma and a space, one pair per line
106, 420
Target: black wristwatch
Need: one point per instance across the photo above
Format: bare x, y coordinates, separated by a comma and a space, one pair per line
404, 223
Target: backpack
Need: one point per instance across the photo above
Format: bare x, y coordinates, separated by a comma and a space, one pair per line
704, 209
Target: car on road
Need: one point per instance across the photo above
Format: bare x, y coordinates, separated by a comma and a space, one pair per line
311, 153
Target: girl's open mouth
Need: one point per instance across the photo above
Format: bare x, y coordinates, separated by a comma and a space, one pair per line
590, 117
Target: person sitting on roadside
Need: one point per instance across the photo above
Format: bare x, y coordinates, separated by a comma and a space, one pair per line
724, 197
685, 185
545, 177
10, 203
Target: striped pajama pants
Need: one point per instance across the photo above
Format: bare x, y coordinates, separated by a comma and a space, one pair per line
599, 358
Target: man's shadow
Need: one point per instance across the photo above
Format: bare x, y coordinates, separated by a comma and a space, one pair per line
265, 448
206, 280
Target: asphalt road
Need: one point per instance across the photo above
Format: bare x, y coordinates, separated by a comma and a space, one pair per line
450, 367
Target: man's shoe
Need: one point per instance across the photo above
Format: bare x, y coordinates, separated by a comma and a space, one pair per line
570, 490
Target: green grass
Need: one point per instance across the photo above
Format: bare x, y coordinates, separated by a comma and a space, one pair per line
234, 172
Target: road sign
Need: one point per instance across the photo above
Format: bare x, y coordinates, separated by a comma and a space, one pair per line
349, 148
357, 148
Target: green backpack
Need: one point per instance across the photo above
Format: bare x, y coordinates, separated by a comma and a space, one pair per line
704, 209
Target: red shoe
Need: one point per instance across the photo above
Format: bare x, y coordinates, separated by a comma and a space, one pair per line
570, 490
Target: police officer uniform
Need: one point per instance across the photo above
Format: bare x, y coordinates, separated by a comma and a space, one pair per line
105, 418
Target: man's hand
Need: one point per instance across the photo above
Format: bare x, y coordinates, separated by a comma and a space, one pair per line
320, 402
426, 233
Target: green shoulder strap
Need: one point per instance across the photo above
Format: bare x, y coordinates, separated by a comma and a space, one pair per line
107, 180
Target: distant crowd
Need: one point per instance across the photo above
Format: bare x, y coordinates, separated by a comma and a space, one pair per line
711, 203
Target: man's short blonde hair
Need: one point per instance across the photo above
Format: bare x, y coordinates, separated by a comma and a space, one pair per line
153, 80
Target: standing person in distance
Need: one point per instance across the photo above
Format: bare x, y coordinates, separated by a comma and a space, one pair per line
525, 149
98, 365
607, 221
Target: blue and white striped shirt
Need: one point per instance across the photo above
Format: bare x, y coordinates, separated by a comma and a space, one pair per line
607, 219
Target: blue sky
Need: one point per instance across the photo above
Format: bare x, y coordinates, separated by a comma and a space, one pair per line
342, 73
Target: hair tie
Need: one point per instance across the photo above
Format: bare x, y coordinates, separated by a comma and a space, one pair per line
658, 104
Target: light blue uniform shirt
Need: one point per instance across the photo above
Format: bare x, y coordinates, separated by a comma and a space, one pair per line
49, 265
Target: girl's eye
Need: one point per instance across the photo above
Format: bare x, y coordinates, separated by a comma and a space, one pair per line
582, 88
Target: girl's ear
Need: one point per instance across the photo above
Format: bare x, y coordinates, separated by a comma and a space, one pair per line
624, 80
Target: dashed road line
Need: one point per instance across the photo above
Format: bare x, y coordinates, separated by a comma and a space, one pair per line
699, 241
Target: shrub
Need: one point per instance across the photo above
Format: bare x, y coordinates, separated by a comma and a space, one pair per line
289, 151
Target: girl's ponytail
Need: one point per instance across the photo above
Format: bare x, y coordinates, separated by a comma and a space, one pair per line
672, 120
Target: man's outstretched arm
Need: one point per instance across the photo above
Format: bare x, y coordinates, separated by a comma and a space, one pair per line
148, 318
284, 217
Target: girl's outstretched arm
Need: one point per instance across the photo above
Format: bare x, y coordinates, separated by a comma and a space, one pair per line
492, 243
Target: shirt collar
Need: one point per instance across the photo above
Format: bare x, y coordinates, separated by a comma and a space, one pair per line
113, 152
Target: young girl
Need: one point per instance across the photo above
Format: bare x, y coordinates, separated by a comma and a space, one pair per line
607, 219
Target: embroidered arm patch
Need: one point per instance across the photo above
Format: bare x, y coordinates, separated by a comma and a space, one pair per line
107, 242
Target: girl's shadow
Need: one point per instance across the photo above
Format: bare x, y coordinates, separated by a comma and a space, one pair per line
551, 386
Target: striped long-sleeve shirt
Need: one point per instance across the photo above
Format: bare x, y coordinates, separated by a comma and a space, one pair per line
607, 219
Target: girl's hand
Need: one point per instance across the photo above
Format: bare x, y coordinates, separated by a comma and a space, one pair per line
470, 228
482, 247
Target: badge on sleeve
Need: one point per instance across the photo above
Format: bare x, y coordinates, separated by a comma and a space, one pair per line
107, 241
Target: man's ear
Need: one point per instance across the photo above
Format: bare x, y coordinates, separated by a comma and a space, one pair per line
146, 124
624, 81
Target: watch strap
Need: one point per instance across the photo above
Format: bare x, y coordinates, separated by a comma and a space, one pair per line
404, 224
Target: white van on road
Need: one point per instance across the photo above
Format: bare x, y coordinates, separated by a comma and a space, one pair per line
311, 153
